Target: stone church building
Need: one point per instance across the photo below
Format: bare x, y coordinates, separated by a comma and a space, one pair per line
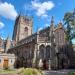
47, 48
7, 60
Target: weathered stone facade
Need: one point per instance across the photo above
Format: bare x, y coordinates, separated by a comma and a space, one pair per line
22, 28
45, 48
6, 60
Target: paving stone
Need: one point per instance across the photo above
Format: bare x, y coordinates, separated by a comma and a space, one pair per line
59, 72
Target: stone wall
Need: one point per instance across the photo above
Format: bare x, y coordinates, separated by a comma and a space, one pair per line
7, 61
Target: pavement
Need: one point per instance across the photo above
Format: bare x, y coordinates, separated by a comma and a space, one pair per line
58, 72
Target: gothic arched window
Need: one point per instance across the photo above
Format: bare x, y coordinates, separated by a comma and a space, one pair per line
42, 51
26, 31
48, 52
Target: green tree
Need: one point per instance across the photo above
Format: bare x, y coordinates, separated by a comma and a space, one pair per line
69, 21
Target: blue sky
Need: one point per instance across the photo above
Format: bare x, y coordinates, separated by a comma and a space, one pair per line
40, 10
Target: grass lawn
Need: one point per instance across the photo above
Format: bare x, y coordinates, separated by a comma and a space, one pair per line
7, 71
22, 71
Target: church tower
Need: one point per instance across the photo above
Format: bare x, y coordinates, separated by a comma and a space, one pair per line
52, 30
22, 28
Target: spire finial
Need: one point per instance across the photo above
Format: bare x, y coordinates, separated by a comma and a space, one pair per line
74, 11
52, 20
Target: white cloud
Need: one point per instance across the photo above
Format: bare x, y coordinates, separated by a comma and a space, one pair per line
42, 8
1, 25
7, 10
45, 15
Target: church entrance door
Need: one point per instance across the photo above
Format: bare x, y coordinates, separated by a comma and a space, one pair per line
45, 65
5, 64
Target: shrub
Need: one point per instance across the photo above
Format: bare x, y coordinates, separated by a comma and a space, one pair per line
31, 71
71, 73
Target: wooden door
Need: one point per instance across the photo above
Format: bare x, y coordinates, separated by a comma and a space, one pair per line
5, 64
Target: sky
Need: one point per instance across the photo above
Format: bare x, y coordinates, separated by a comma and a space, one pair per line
40, 10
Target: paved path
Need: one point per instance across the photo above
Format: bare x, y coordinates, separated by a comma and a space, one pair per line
59, 72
